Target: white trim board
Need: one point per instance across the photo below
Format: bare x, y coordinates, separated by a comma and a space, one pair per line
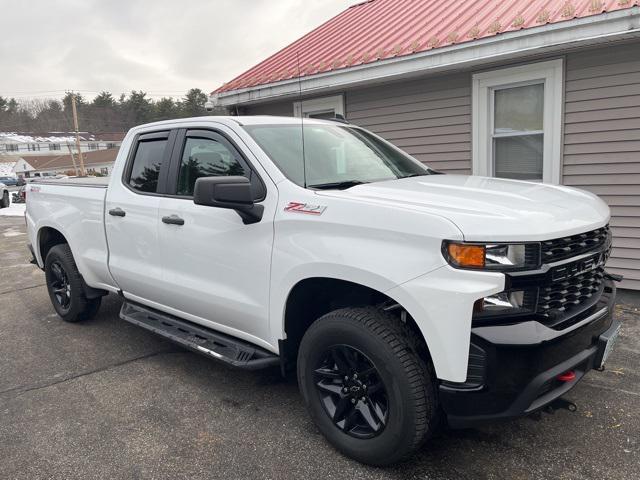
549, 73
316, 105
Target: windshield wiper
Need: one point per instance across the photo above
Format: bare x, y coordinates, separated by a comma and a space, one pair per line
338, 185
428, 172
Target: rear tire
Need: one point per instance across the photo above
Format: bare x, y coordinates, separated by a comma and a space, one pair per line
66, 286
5, 202
381, 415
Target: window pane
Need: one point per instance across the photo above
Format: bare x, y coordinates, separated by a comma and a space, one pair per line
146, 165
328, 115
518, 157
519, 109
204, 157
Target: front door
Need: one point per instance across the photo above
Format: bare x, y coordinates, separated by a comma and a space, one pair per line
215, 268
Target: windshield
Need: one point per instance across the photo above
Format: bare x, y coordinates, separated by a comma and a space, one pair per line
336, 156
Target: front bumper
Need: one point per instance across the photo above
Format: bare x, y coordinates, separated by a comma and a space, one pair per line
515, 367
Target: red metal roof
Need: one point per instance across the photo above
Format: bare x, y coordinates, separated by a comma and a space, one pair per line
380, 29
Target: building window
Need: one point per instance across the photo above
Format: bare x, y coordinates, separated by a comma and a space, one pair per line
11, 147
104, 171
54, 146
111, 145
92, 146
326, 107
33, 147
517, 121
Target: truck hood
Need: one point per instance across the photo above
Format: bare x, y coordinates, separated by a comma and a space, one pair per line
490, 209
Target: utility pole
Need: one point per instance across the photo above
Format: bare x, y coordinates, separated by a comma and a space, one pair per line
75, 126
75, 167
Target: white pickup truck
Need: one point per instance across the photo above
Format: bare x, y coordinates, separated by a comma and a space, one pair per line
399, 294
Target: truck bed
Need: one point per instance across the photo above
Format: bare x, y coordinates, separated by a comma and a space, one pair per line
74, 206
100, 182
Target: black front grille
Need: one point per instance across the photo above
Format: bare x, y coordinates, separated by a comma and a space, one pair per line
567, 247
560, 299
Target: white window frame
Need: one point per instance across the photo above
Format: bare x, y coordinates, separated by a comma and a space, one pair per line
484, 85
319, 105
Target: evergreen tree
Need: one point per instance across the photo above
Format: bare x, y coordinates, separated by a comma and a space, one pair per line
193, 103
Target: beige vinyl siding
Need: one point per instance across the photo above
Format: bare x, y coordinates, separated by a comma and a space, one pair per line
602, 143
428, 118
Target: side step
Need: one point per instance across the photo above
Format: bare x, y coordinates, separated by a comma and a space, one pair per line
225, 348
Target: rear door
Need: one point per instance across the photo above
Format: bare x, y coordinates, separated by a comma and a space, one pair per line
131, 216
216, 268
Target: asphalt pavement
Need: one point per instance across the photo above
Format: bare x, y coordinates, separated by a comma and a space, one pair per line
105, 399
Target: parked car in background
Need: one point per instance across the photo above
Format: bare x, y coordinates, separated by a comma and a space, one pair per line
4, 196
397, 293
21, 195
9, 181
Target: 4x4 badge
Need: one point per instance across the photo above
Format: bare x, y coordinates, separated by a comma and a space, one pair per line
297, 207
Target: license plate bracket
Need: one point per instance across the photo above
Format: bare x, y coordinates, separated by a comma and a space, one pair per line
606, 344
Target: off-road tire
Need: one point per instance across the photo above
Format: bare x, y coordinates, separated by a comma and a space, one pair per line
79, 307
5, 201
409, 381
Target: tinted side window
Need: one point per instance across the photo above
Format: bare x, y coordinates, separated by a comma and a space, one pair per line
146, 165
204, 157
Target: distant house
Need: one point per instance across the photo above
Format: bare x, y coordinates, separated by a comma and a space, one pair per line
29, 144
6, 168
543, 91
99, 162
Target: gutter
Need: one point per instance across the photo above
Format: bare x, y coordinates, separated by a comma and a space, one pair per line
589, 31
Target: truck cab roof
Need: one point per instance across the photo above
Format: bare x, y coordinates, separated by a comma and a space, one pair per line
234, 121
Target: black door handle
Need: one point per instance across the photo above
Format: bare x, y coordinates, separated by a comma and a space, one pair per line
117, 212
173, 220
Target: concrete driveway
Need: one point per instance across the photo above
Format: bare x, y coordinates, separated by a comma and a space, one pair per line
105, 399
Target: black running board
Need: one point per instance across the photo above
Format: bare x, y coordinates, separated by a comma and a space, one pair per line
205, 341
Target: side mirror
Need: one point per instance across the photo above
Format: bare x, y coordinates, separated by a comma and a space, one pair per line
228, 192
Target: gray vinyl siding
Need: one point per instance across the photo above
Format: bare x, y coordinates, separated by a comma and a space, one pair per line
602, 143
428, 118
280, 109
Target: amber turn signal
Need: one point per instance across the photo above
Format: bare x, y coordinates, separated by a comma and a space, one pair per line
466, 255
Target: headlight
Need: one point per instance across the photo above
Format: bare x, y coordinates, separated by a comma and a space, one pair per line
492, 256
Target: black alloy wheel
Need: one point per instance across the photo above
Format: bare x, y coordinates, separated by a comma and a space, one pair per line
352, 392
60, 286
66, 287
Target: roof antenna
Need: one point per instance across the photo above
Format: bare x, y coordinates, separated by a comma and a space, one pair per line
304, 159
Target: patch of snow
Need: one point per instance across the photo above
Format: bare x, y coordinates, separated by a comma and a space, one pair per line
14, 210
55, 138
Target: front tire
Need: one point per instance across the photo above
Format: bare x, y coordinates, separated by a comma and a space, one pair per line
66, 286
366, 387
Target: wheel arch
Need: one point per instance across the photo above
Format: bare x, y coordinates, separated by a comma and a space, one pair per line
312, 297
47, 238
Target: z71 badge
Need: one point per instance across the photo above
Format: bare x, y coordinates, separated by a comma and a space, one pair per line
297, 207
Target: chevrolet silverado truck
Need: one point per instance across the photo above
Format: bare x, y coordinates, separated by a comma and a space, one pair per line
401, 296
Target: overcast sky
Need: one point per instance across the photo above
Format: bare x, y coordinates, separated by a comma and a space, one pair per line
163, 47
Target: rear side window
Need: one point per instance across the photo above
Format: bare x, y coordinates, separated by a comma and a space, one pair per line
205, 157
146, 165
